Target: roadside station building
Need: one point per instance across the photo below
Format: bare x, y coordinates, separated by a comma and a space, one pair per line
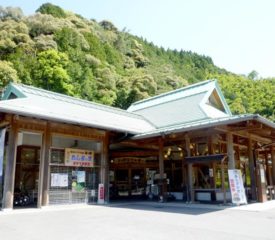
58, 149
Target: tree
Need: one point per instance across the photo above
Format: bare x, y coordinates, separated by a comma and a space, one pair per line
51, 72
7, 74
14, 13
253, 75
48, 8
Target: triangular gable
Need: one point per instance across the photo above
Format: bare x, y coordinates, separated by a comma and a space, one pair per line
192, 103
12, 92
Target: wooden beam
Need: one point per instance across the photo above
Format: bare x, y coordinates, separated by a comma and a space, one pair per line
129, 153
143, 145
244, 134
8, 193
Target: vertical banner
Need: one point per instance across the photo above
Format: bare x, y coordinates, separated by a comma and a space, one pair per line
2, 146
236, 186
101, 194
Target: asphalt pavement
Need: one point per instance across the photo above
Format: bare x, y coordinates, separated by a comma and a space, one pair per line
140, 220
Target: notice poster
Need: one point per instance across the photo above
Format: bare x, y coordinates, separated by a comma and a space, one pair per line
78, 181
59, 180
236, 186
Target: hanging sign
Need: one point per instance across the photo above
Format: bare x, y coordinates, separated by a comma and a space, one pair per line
2, 147
79, 157
236, 186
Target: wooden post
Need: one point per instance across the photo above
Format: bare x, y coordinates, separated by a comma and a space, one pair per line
161, 169
105, 167
273, 163
41, 173
223, 182
130, 181
212, 164
45, 169
190, 169
230, 151
252, 170
8, 193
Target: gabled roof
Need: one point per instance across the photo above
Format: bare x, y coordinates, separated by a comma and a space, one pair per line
30, 101
196, 102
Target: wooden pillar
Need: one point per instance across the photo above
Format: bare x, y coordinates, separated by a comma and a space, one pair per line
230, 151
10, 167
41, 173
212, 164
45, 166
161, 170
223, 182
273, 163
130, 181
105, 167
252, 170
189, 169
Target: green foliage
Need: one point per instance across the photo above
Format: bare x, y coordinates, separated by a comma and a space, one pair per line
48, 8
64, 52
50, 72
7, 73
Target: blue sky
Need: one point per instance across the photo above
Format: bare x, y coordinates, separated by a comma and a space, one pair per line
239, 35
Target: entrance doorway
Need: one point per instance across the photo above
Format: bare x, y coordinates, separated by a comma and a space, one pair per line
27, 170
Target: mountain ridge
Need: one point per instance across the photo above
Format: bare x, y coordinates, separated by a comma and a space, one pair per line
64, 52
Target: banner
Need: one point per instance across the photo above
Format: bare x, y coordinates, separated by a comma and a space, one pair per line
2, 147
236, 186
101, 195
79, 157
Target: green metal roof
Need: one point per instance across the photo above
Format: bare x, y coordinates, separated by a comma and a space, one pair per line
44, 104
182, 105
195, 125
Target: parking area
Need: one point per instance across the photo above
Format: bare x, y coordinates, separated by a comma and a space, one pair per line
139, 220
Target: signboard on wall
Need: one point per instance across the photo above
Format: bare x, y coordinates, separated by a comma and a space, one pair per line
236, 186
79, 157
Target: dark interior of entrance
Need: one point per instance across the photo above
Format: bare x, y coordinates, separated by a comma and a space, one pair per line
27, 169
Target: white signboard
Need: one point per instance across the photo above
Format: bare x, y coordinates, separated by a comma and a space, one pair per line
236, 186
79, 158
59, 180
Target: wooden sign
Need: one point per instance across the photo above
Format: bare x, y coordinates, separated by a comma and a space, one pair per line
79, 157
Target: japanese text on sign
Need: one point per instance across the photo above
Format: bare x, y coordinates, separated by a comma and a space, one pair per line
79, 157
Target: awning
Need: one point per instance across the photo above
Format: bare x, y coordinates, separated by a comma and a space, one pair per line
205, 158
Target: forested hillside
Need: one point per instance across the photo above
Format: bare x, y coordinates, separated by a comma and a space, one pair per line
64, 52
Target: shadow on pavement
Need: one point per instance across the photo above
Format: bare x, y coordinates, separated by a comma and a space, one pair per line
170, 207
